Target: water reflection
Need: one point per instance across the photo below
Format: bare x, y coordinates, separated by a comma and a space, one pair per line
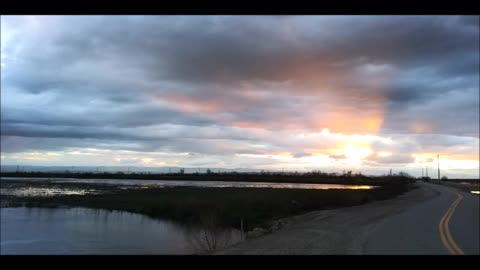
44, 191
218, 184
93, 231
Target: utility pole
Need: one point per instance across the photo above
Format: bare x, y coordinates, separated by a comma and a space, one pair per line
438, 159
422, 172
241, 227
427, 170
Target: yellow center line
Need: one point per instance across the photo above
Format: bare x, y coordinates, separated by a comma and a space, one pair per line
445, 234
449, 235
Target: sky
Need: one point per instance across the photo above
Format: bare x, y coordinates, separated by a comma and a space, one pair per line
298, 93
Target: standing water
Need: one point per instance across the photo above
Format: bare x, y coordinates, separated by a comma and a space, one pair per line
92, 231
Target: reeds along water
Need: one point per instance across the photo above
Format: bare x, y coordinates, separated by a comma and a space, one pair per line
211, 235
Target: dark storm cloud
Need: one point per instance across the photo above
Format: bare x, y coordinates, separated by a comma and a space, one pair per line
456, 113
229, 49
473, 21
256, 51
88, 110
44, 131
97, 77
14, 144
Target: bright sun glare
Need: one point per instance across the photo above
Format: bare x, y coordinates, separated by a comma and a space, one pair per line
356, 154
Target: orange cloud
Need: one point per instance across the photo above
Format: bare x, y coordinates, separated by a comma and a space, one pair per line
351, 122
247, 124
420, 127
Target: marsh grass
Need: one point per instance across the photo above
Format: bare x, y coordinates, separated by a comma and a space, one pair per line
209, 207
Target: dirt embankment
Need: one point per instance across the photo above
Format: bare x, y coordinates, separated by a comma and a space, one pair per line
337, 231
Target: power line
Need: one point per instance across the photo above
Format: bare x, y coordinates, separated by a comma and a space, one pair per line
438, 159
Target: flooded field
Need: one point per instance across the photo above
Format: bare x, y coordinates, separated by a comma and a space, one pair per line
94, 231
170, 183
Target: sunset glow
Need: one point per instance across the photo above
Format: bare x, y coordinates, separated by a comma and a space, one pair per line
293, 93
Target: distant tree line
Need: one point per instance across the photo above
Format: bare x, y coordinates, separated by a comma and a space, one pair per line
347, 177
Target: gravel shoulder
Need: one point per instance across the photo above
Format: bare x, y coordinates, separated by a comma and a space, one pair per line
337, 231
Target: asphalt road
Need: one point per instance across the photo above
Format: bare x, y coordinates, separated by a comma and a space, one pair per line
421, 229
431, 219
